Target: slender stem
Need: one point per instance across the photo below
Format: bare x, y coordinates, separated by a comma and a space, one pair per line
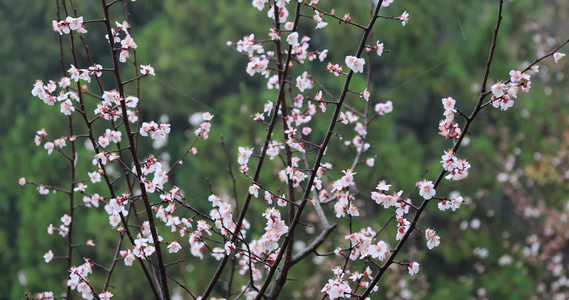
270, 129
281, 279
113, 264
71, 207
136, 161
82, 111
230, 172
73, 169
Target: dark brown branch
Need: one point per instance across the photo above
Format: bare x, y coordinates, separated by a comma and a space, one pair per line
270, 129
134, 153
336, 17
310, 181
469, 121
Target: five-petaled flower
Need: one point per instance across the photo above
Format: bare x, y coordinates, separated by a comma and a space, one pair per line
413, 267
105, 296
48, 256
365, 94
433, 240
254, 190
174, 247
147, 70
244, 155
404, 18
379, 48
557, 56
355, 64
426, 189
292, 38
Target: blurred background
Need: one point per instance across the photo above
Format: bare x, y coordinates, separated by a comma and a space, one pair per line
508, 241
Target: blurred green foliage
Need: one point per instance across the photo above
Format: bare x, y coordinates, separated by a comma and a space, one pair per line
440, 53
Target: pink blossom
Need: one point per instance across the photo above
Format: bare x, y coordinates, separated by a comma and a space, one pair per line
355, 64
557, 56
426, 189
404, 18
147, 70
413, 268
433, 240
48, 256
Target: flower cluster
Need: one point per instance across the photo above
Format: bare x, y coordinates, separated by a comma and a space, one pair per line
109, 108
282, 15
300, 49
449, 127
345, 204
355, 64
102, 158
152, 166
363, 246
78, 279
503, 94
157, 132
297, 111
165, 214
292, 173
205, 126
126, 43
143, 246
82, 74
274, 230
402, 227
70, 23
453, 202
337, 288
222, 215
273, 149
384, 108
196, 244
93, 199
115, 207
47, 94
321, 55
109, 136
45, 296
320, 23
433, 240
304, 82
258, 64
248, 45
63, 228
382, 198
457, 168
